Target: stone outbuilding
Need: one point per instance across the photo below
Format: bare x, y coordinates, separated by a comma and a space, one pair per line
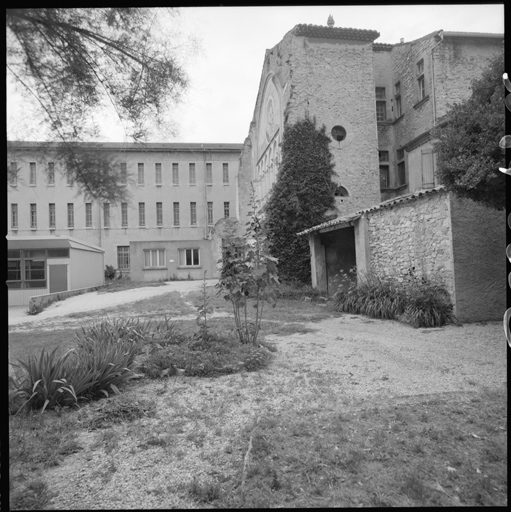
429, 232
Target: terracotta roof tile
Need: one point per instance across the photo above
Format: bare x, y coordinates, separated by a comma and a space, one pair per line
335, 32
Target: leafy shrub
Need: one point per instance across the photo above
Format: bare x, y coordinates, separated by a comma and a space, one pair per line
110, 272
99, 364
248, 271
419, 302
216, 356
42, 382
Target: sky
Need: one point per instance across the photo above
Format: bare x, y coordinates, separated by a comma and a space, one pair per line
225, 75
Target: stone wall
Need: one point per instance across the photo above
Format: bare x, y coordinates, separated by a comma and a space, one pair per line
458, 60
333, 82
415, 233
479, 250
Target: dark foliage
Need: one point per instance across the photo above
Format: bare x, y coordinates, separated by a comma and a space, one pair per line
468, 151
300, 198
75, 62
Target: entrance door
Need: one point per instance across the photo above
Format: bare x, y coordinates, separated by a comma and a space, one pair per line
340, 258
58, 278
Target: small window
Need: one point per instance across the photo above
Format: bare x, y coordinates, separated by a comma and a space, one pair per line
226, 209
159, 214
69, 177
124, 173
209, 174
33, 216
193, 214
341, 191
175, 174
225, 173
124, 215
397, 99
14, 216
420, 80
14, 271
51, 214
380, 93
381, 104
401, 167
176, 214
32, 173
140, 174
58, 253
70, 215
106, 215
13, 174
88, 215
141, 215
338, 133
35, 270
210, 213
154, 258
189, 257
157, 174
123, 257
51, 174
384, 176
383, 157
191, 173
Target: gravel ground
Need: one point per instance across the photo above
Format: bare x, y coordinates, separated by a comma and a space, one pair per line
344, 359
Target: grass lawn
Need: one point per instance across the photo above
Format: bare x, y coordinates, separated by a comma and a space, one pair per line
425, 451
317, 450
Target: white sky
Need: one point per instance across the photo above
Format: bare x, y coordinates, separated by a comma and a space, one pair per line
225, 76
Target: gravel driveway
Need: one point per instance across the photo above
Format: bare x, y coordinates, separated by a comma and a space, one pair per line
344, 358
390, 358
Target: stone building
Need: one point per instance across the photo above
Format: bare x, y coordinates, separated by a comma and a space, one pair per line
165, 229
379, 103
429, 232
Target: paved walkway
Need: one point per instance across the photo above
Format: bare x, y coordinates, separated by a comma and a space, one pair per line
99, 300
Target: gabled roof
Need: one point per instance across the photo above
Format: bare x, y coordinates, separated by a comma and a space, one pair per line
346, 220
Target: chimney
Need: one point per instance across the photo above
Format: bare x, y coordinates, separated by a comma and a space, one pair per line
402, 40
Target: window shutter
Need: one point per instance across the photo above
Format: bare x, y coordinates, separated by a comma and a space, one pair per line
428, 168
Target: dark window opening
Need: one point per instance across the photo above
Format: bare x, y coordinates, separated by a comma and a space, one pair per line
338, 133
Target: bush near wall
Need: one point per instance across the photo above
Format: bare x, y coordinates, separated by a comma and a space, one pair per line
301, 197
418, 301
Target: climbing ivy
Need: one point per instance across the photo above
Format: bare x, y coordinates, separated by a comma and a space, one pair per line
300, 198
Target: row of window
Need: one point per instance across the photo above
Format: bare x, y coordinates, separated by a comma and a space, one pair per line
52, 218
156, 258
158, 175
381, 99
383, 157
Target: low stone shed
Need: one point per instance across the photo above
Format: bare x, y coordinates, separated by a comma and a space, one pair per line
429, 232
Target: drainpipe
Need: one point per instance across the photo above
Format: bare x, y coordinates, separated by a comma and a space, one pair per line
441, 34
205, 196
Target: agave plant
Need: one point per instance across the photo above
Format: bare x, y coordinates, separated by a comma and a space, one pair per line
46, 381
